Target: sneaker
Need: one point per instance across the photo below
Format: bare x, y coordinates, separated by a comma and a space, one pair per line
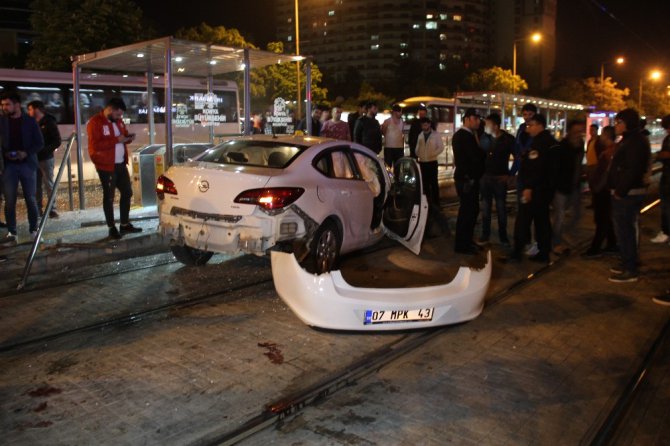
661, 237
8, 240
128, 228
53, 214
624, 277
532, 250
114, 233
3, 259
663, 299
617, 269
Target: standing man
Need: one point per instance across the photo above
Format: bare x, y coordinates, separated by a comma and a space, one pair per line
45, 157
591, 155
368, 131
429, 146
352, 119
627, 183
107, 139
469, 162
567, 163
336, 128
394, 139
535, 176
523, 138
316, 122
664, 186
496, 175
21, 140
415, 130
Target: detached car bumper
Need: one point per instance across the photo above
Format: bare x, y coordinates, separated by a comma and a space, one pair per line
328, 301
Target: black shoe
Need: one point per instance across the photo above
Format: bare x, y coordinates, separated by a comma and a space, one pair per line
3, 224
611, 250
114, 233
470, 251
3, 259
129, 229
540, 258
53, 214
592, 254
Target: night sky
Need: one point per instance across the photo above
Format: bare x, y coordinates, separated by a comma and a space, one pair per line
589, 32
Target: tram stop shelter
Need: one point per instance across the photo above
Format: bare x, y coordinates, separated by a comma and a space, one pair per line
164, 59
509, 106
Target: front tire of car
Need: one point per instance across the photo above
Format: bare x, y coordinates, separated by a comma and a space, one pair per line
324, 251
191, 256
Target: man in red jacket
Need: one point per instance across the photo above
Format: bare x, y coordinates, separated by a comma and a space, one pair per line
107, 139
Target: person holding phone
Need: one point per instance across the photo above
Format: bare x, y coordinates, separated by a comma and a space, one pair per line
107, 146
21, 140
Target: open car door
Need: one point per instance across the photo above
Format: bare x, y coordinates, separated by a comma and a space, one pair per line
406, 208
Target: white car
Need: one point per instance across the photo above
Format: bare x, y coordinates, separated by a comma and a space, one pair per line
316, 197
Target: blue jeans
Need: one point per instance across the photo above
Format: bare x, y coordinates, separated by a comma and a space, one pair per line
45, 177
562, 203
26, 174
625, 213
494, 187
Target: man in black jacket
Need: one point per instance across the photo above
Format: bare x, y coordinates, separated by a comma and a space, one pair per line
368, 131
627, 180
537, 190
496, 175
45, 157
469, 162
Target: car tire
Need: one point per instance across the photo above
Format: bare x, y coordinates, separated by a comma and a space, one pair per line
324, 251
191, 256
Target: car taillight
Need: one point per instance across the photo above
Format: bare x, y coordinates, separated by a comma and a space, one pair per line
270, 198
164, 185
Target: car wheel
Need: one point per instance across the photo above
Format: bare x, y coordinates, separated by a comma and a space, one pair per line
191, 256
325, 249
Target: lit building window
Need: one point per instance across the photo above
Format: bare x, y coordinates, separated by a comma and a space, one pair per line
457, 18
431, 25
443, 36
325, 33
443, 17
443, 67
374, 37
289, 39
429, 16
403, 45
456, 56
331, 13
290, 19
416, 26
374, 47
443, 56
404, 55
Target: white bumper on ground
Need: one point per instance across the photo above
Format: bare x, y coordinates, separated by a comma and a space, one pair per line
327, 301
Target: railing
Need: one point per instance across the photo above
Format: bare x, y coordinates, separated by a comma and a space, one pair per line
50, 204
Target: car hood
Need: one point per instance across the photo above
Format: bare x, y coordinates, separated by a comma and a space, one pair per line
203, 187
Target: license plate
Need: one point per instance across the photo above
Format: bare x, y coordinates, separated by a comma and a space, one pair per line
386, 316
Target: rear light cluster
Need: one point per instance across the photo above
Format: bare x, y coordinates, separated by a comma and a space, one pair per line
164, 185
270, 198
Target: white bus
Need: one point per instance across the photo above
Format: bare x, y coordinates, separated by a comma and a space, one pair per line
56, 91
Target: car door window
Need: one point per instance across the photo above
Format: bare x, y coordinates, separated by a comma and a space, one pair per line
336, 164
370, 171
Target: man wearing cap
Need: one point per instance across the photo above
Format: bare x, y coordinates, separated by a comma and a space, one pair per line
394, 139
469, 162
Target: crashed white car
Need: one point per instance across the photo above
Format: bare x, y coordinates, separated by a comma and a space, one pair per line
316, 197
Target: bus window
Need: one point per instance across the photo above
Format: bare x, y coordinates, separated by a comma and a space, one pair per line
443, 114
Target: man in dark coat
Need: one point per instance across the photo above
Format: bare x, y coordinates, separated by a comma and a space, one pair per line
469, 162
45, 157
368, 131
535, 177
628, 181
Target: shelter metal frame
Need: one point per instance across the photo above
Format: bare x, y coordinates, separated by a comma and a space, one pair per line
193, 59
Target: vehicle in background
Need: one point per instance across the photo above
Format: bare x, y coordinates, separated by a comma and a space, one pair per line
55, 89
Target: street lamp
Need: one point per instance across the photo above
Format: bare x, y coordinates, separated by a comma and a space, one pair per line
618, 61
535, 38
654, 75
297, 63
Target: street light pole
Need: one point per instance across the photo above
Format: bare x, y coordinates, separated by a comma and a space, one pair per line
514, 69
297, 62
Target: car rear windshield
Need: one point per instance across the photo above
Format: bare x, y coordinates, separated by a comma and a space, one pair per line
253, 153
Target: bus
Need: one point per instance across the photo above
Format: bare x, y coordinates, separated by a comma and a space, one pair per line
55, 89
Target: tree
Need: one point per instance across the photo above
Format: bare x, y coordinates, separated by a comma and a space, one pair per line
495, 79
214, 35
71, 27
591, 92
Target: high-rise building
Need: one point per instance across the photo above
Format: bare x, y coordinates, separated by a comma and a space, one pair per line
374, 37
16, 34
